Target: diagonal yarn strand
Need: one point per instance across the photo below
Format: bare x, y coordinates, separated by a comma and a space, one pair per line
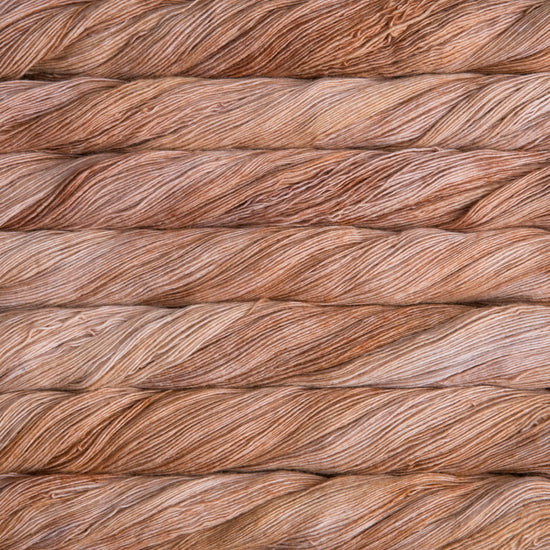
171, 190
463, 111
302, 38
271, 343
353, 430
329, 265
273, 510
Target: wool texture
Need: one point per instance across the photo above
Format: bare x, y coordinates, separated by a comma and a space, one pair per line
271, 343
463, 111
274, 274
274, 510
302, 38
330, 265
396, 190
329, 431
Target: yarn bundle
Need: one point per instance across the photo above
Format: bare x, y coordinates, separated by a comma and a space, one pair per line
274, 274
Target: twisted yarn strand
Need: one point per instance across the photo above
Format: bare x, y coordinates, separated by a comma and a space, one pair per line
273, 510
300, 38
329, 265
463, 111
271, 343
171, 190
330, 431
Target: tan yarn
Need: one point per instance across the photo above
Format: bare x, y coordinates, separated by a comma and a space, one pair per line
458, 111
352, 430
303, 38
342, 265
169, 190
255, 294
274, 510
271, 343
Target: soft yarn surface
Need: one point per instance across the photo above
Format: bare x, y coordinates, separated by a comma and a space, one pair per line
329, 265
250, 344
449, 189
300, 38
274, 275
464, 111
279, 508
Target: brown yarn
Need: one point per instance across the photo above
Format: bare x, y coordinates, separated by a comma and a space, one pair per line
352, 430
274, 510
270, 343
303, 38
170, 190
342, 265
459, 111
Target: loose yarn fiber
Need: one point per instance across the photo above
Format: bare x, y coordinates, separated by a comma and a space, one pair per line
300, 38
464, 111
277, 509
273, 343
328, 265
397, 190
329, 431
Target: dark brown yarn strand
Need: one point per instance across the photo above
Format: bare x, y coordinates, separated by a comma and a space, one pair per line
298, 38
463, 111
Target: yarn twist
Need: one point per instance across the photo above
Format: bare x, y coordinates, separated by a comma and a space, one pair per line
463, 111
301, 38
342, 265
171, 190
272, 343
330, 431
273, 510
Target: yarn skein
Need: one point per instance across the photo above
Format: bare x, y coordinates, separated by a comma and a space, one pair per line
275, 509
275, 343
462, 191
473, 430
462, 111
326, 265
299, 38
